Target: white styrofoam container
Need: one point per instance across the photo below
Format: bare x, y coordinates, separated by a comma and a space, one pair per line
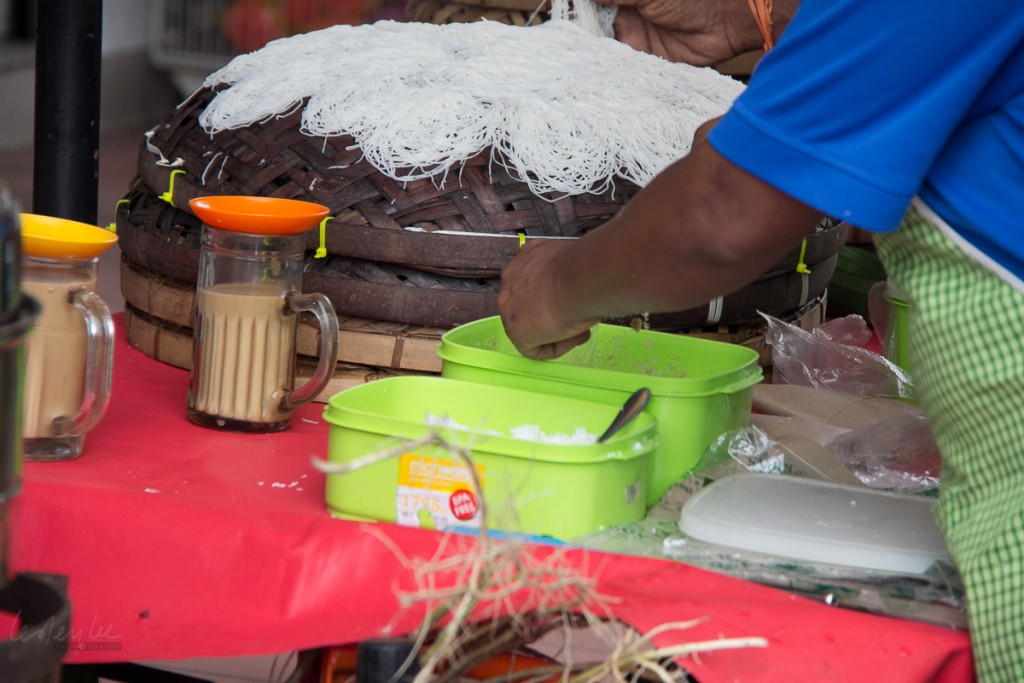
816, 521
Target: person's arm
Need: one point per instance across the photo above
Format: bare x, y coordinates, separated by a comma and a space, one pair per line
698, 32
702, 228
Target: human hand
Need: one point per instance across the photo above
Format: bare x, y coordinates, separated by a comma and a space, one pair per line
535, 318
698, 32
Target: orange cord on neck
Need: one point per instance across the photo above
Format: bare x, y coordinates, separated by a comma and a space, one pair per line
762, 10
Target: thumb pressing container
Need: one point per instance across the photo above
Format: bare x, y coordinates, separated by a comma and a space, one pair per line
540, 471
700, 388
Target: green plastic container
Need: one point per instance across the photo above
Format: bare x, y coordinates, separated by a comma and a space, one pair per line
531, 485
699, 388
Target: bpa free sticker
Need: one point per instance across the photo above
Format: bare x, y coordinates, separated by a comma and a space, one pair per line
463, 505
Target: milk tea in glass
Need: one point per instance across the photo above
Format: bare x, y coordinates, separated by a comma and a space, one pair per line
246, 312
69, 350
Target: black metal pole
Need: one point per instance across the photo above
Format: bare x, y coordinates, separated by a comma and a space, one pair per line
65, 176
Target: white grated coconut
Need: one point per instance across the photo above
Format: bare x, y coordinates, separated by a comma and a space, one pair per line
579, 437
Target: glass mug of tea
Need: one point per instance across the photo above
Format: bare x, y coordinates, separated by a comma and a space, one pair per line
69, 351
246, 312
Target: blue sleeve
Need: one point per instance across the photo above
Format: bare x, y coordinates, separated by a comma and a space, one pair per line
852, 107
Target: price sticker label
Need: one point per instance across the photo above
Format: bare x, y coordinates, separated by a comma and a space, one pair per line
436, 493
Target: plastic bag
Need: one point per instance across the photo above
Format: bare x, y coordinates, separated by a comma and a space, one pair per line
750, 447
881, 314
832, 357
897, 454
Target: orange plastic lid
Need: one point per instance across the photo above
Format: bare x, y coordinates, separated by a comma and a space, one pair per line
258, 215
50, 237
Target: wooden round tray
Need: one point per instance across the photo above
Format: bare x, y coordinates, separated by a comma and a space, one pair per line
167, 304
173, 345
158, 314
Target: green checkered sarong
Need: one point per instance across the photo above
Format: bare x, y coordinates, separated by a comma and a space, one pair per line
967, 356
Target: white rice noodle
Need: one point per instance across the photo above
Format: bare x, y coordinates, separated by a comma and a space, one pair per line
569, 110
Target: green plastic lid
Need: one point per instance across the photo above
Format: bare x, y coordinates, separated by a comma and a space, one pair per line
616, 357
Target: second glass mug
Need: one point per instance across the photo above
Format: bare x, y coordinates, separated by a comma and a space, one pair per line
70, 349
245, 317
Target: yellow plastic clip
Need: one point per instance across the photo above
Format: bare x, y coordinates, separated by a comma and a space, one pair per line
321, 251
801, 267
168, 196
113, 226
522, 239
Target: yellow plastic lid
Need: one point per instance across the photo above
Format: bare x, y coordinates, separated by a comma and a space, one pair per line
51, 237
258, 215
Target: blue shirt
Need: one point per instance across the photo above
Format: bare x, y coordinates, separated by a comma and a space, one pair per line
864, 104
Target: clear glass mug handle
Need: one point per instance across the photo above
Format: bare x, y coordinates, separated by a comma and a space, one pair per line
99, 365
320, 306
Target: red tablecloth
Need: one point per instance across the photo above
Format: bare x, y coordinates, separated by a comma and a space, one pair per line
183, 542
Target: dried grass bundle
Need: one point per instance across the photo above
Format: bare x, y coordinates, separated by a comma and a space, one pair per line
493, 596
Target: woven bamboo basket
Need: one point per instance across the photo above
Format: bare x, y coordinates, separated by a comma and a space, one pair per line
403, 261
410, 252
531, 13
515, 12
160, 238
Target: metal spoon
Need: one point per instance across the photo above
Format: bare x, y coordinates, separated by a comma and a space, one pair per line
633, 406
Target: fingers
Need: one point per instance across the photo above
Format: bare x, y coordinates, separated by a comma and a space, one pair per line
536, 319
556, 349
631, 29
